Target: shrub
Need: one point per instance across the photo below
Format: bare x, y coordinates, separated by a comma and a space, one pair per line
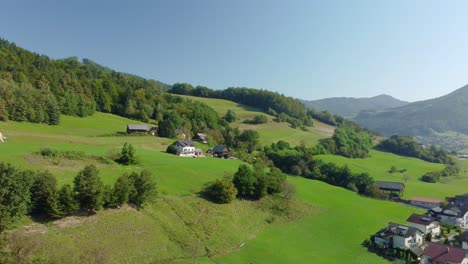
171, 149
144, 188
221, 191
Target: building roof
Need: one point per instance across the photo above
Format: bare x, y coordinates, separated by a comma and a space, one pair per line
385, 185
219, 148
186, 143
457, 206
137, 127
421, 219
444, 253
426, 200
399, 230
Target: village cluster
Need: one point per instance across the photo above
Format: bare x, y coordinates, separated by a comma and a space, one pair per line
427, 236
185, 147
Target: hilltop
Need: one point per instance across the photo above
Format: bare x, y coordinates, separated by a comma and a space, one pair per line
350, 107
423, 118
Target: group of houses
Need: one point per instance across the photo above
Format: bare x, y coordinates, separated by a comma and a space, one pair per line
184, 147
421, 234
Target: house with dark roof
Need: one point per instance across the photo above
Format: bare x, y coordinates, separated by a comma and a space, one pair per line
454, 213
427, 203
137, 128
398, 236
426, 224
444, 254
391, 187
221, 151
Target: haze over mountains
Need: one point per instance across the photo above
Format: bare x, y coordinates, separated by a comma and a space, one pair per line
446, 113
351, 107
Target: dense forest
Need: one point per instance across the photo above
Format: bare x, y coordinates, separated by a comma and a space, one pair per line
282, 107
33, 86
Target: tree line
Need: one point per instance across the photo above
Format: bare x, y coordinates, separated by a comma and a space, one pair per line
37, 193
249, 182
299, 161
284, 108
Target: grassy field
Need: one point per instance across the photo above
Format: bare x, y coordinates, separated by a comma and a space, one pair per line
333, 236
271, 131
379, 164
333, 221
172, 230
96, 136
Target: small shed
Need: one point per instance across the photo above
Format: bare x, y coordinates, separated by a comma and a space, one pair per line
392, 187
140, 128
153, 131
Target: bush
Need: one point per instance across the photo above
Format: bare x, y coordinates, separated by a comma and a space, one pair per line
171, 149
432, 177
221, 191
258, 119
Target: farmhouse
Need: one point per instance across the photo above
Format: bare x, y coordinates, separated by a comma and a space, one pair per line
221, 151
437, 253
426, 224
140, 128
185, 148
391, 187
455, 212
427, 203
398, 236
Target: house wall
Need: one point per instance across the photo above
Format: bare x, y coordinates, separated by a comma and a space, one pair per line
434, 229
464, 245
401, 242
185, 151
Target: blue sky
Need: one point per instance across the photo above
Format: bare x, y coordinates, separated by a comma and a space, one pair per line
412, 50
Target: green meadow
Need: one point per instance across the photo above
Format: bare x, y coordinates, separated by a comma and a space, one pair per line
379, 163
332, 236
327, 225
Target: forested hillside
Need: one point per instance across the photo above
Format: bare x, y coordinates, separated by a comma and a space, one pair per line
35, 88
446, 113
350, 107
285, 109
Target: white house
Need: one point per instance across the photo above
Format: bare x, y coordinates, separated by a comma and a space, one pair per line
444, 254
425, 224
455, 212
185, 148
399, 236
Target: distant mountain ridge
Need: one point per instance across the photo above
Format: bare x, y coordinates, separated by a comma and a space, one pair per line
351, 107
442, 114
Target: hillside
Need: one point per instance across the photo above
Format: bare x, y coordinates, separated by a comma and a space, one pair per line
443, 114
271, 131
173, 230
350, 107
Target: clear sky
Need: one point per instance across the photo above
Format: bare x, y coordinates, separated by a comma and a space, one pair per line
412, 50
